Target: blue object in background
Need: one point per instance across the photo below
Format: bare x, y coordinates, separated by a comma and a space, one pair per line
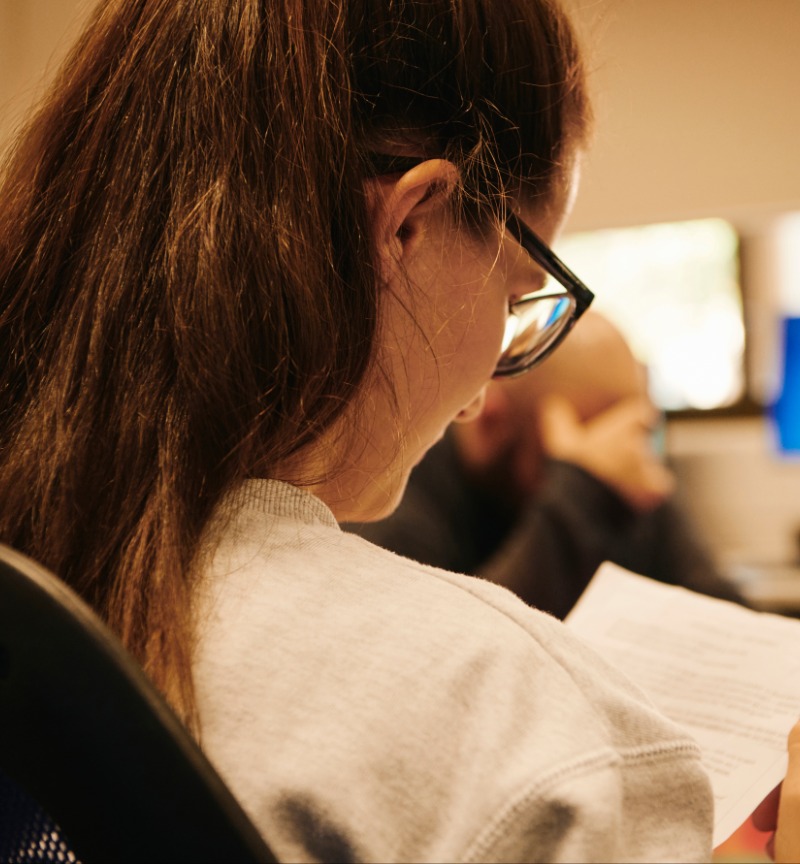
786, 410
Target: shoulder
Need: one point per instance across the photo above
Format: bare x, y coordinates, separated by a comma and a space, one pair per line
337, 594
450, 716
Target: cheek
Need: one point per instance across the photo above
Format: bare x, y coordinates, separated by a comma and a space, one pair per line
476, 334
445, 337
461, 306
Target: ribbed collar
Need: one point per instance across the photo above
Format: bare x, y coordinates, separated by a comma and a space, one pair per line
276, 498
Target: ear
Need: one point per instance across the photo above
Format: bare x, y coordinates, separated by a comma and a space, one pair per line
402, 205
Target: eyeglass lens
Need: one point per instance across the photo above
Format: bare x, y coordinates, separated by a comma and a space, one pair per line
534, 326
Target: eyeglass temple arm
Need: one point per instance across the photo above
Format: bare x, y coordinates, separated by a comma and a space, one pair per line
544, 255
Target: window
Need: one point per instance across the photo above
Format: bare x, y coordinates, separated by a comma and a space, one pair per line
673, 289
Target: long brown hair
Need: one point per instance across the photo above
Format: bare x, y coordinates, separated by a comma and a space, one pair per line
187, 289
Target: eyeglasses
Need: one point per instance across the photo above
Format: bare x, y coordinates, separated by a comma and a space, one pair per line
537, 322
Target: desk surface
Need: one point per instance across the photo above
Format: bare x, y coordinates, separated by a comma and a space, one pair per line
770, 587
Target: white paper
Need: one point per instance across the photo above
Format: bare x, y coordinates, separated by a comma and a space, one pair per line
730, 676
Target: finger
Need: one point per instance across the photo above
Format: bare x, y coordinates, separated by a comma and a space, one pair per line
650, 491
663, 481
765, 816
634, 409
787, 835
559, 424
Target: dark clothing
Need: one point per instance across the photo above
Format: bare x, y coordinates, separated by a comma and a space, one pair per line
548, 554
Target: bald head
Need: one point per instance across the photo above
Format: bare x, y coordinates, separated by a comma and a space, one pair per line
594, 368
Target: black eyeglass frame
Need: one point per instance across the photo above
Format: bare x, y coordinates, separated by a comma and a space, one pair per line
544, 256
537, 249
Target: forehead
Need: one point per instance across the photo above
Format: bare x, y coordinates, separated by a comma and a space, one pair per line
547, 211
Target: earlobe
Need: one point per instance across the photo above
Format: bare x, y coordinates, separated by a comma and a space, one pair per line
401, 205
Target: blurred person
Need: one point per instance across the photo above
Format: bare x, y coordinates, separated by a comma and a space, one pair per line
558, 473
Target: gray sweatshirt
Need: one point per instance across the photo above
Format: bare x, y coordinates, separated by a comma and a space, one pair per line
363, 707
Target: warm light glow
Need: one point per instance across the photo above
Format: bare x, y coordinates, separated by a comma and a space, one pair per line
788, 263
673, 290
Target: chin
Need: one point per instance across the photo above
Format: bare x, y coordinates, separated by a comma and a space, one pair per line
378, 501
375, 514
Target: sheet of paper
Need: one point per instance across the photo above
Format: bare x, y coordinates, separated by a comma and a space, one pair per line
729, 675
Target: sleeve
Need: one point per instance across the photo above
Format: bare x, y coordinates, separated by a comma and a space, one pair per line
678, 557
571, 526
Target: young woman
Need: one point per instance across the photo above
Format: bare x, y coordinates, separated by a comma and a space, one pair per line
255, 255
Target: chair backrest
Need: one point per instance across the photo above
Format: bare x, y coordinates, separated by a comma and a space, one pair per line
94, 765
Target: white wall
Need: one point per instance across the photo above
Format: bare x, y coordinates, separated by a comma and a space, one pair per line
697, 101
698, 110
34, 35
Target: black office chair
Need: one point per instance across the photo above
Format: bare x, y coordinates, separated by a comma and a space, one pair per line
94, 766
